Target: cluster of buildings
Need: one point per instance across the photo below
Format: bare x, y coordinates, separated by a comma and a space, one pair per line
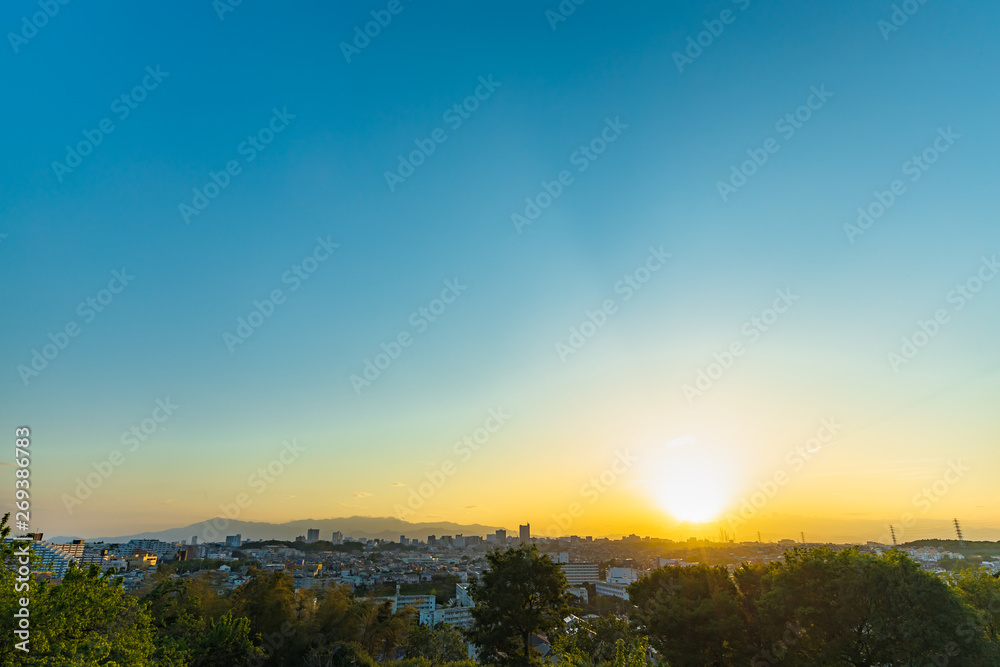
458, 612
374, 567
451, 560
129, 560
930, 558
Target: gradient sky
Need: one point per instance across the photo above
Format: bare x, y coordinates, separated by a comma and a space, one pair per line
655, 186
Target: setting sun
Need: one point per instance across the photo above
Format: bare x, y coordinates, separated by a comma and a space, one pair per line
691, 481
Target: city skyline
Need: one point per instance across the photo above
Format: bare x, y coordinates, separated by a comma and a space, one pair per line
652, 267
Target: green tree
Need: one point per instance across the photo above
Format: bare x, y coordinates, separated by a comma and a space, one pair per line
631, 654
9, 593
333, 618
182, 609
426, 662
88, 619
567, 653
268, 600
276, 613
980, 590
340, 654
862, 609
440, 644
378, 630
520, 594
594, 642
692, 615
227, 641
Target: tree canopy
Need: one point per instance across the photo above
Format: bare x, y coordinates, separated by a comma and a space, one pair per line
817, 606
521, 594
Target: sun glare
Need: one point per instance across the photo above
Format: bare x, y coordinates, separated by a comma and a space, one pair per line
692, 482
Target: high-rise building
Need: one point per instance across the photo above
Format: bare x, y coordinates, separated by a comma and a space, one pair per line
234, 540
402, 540
312, 535
338, 537
501, 535
431, 540
194, 539
525, 533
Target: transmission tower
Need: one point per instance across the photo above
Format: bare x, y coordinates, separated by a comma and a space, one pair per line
893, 531
803, 535
958, 531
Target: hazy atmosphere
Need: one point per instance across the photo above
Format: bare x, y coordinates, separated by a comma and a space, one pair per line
656, 268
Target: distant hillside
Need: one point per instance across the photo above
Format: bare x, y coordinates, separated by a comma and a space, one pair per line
212, 530
970, 548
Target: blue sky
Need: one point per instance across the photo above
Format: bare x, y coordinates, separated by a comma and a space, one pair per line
323, 176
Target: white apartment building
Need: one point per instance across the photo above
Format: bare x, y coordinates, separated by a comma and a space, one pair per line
610, 589
580, 573
622, 575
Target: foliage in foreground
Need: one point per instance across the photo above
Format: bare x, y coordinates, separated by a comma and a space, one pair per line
521, 594
817, 607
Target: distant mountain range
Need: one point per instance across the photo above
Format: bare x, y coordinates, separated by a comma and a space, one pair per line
773, 527
213, 530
